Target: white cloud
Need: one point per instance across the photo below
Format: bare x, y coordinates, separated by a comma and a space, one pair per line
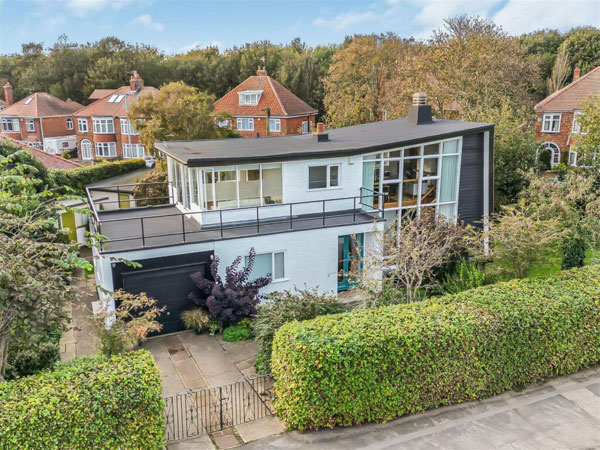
147, 21
82, 8
523, 16
345, 20
198, 45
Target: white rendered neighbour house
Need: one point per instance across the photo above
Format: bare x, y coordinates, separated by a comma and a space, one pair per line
309, 205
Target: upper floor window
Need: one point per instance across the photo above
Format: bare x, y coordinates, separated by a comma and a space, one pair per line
275, 125
576, 124
245, 123
249, 97
82, 125
551, 123
127, 128
103, 125
10, 125
322, 177
69, 123
106, 149
30, 125
133, 151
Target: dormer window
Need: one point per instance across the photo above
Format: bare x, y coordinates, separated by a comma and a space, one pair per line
250, 98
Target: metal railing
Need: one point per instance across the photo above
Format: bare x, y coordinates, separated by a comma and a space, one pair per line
198, 412
217, 224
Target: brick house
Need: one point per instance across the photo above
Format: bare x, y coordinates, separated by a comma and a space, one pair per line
556, 126
259, 95
102, 128
39, 120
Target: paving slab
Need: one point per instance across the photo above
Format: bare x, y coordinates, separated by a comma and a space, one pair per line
260, 429
226, 439
199, 443
172, 383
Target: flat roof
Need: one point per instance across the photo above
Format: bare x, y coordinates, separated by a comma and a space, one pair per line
350, 140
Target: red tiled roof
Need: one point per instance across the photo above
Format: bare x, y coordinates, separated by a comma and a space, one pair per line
280, 101
42, 104
573, 96
47, 159
103, 108
100, 93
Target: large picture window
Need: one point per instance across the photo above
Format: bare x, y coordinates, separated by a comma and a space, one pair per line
127, 128
106, 149
103, 125
133, 151
411, 178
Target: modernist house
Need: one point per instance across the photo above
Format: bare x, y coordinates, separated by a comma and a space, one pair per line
39, 120
308, 204
103, 131
557, 127
260, 106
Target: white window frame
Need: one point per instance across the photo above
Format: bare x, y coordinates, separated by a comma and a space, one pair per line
30, 125
127, 128
129, 148
329, 166
82, 125
103, 125
14, 125
109, 147
224, 123
273, 253
305, 127
576, 128
547, 146
249, 98
240, 121
572, 161
277, 125
85, 156
70, 125
550, 118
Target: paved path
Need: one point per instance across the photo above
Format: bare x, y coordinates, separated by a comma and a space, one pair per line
563, 413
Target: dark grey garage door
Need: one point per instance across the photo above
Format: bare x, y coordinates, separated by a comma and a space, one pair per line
169, 283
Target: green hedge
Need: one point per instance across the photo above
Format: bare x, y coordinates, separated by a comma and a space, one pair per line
89, 402
79, 178
378, 364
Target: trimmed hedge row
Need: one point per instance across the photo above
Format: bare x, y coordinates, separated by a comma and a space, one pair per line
79, 178
378, 364
89, 402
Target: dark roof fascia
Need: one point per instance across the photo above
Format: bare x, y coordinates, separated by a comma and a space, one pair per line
203, 162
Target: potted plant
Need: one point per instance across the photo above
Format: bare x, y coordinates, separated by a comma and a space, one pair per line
196, 319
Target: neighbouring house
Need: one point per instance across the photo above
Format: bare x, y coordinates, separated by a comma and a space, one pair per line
310, 205
260, 106
557, 127
40, 120
2, 104
102, 128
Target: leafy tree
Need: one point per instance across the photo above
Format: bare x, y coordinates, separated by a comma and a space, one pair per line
231, 299
583, 47
177, 111
588, 143
560, 72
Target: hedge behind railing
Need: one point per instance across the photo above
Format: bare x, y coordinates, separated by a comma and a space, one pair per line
79, 178
378, 364
89, 402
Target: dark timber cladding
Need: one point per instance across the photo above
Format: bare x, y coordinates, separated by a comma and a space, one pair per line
470, 192
354, 140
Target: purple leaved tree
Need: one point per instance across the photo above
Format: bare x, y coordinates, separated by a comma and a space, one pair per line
231, 300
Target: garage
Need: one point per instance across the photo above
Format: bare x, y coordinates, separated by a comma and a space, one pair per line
167, 280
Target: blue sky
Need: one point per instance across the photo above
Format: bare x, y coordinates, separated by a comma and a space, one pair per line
179, 25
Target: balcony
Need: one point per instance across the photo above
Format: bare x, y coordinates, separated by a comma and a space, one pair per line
124, 226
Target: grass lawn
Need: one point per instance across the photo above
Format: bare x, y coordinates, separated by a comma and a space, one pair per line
552, 265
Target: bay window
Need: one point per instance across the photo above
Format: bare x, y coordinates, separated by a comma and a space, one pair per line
133, 151
127, 128
106, 149
103, 125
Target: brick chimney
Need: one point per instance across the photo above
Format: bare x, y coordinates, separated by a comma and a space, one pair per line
261, 71
576, 73
136, 81
321, 135
9, 96
419, 112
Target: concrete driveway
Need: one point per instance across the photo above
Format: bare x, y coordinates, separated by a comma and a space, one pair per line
563, 413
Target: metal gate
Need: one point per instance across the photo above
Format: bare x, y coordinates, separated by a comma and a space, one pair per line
204, 411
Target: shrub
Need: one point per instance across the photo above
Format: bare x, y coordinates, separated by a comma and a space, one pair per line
377, 364
79, 178
283, 307
573, 252
32, 355
239, 332
89, 402
195, 319
466, 275
157, 194
231, 299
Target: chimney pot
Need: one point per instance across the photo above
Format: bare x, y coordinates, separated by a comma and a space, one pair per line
419, 98
420, 112
136, 81
321, 135
320, 127
576, 73
9, 96
261, 71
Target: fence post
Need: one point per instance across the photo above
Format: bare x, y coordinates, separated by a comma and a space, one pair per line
183, 226
221, 221
354, 211
221, 407
291, 218
143, 237
118, 197
323, 212
257, 221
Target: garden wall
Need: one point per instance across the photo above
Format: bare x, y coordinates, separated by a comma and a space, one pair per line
378, 364
89, 402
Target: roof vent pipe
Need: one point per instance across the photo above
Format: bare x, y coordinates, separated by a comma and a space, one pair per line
419, 112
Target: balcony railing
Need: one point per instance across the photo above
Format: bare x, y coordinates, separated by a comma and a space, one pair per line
145, 227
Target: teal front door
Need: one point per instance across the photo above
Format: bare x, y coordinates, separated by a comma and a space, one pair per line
350, 252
